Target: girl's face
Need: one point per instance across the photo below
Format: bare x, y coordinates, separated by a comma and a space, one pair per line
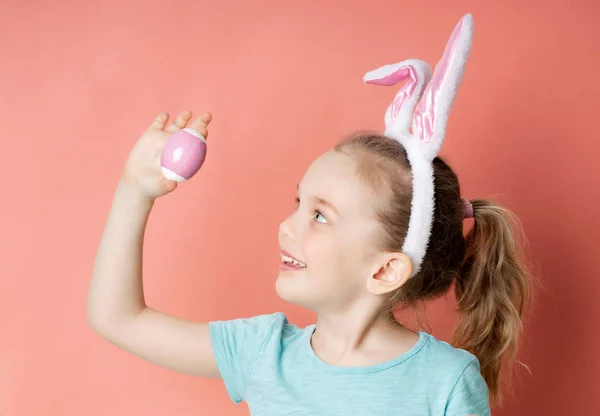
332, 232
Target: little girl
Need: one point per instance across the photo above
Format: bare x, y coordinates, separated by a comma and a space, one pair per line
379, 223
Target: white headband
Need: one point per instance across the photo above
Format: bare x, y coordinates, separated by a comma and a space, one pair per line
422, 132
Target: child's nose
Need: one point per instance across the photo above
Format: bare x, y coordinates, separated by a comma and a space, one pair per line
287, 228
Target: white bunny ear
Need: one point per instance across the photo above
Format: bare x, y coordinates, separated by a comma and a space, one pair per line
429, 121
431, 115
415, 74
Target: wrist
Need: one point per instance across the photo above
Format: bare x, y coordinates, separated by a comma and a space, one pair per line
133, 194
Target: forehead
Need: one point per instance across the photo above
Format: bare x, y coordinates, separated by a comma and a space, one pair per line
332, 176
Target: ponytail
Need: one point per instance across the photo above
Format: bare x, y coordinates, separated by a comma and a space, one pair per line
492, 290
491, 281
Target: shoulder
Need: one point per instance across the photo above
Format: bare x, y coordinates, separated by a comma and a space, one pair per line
441, 353
257, 321
239, 344
459, 371
260, 328
444, 362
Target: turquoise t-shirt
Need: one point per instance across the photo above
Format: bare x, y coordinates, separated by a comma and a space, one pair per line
270, 364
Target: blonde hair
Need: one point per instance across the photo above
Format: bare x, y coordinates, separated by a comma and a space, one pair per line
492, 284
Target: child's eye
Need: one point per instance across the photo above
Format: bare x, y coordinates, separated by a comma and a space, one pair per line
318, 217
318, 214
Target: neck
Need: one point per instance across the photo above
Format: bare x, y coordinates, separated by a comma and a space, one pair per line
359, 335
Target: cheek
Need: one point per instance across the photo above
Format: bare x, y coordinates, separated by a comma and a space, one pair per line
328, 256
317, 249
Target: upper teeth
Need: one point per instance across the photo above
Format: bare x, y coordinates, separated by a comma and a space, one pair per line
293, 261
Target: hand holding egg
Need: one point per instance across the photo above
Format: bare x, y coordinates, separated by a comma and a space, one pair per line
166, 154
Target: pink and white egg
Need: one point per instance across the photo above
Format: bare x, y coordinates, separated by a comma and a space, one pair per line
183, 155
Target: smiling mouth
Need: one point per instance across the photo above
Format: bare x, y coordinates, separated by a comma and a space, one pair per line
290, 263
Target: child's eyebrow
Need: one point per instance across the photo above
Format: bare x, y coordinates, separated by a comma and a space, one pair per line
323, 202
329, 205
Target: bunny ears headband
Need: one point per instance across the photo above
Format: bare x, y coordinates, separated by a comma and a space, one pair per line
421, 131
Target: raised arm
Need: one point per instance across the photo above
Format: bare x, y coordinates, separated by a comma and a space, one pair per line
116, 307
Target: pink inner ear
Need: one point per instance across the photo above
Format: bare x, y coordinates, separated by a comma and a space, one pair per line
392, 79
404, 93
424, 117
407, 90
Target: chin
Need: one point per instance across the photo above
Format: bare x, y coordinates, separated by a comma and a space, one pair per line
295, 290
290, 290
283, 289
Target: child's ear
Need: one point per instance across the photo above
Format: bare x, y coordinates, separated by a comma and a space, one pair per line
392, 274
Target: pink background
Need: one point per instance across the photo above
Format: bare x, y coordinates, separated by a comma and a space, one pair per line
79, 81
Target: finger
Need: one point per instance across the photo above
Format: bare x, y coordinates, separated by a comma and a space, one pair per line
168, 185
201, 124
160, 121
180, 122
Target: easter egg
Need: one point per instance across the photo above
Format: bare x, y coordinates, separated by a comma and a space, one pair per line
183, 155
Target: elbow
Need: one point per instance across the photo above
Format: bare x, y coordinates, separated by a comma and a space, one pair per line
98, 323
101, 322
108, 324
